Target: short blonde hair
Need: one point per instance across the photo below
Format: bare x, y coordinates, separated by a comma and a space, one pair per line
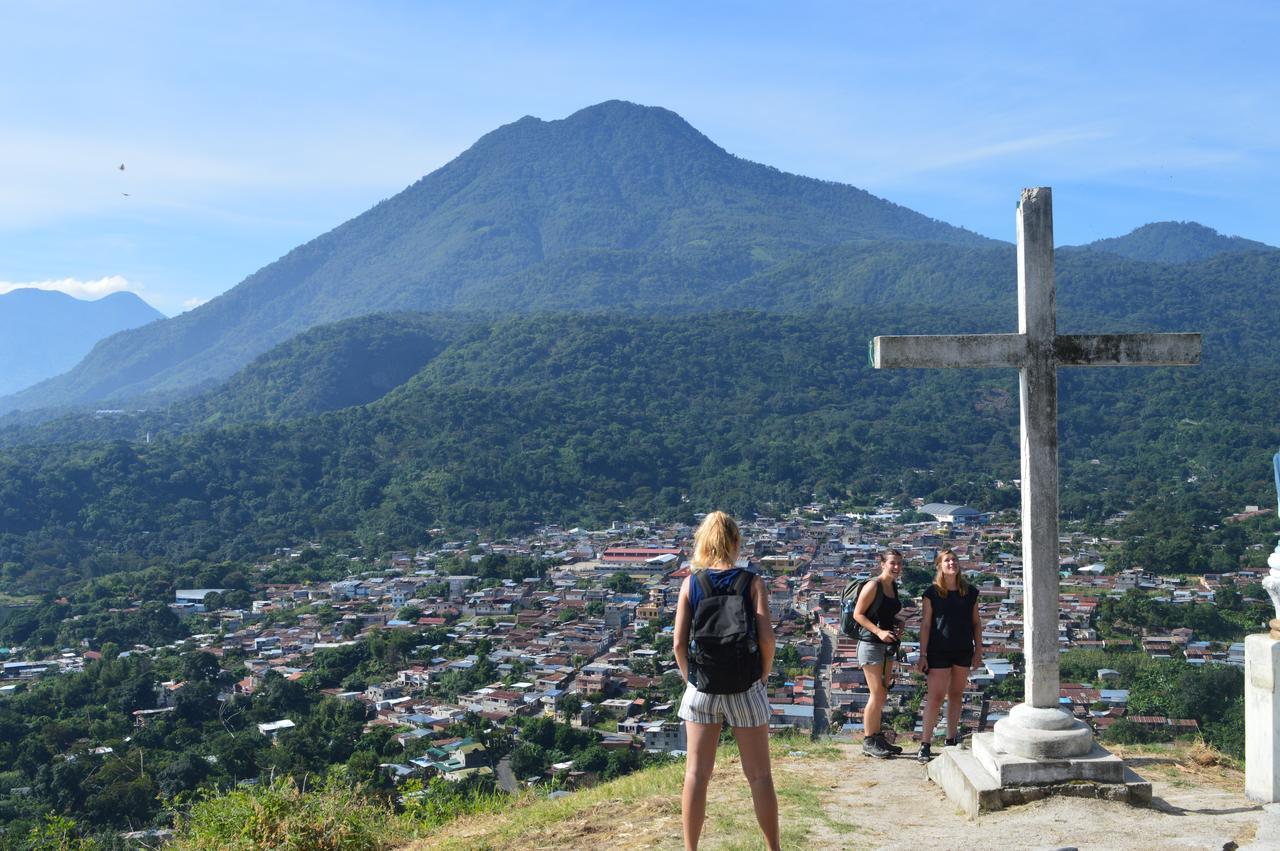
716, 542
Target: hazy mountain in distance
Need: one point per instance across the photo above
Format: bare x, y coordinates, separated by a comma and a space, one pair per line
44, 333
616, 206
1175, 242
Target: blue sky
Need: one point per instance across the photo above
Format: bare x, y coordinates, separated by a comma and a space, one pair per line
247, 130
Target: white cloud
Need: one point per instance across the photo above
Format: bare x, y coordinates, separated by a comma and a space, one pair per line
1008, 147
192, 303
73, 286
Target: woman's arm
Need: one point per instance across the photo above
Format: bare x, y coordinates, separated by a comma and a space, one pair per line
977, 635
926, 625
680, 641
866, 597
764, 629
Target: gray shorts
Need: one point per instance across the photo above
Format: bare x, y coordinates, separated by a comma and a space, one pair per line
873, 653
745, 709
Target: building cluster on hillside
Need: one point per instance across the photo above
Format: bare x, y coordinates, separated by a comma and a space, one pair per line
590, 638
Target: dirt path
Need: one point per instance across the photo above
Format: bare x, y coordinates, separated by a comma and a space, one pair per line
892, 805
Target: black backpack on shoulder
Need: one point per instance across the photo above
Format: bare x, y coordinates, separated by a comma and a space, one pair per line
724, 657
849, 601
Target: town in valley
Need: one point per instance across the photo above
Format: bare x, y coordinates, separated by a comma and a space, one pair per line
575, 626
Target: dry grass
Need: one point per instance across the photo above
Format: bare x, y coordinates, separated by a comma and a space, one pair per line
1205, 755
1183, 764
642, 810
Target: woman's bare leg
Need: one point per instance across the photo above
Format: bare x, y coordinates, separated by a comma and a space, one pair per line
955, 699
753, 746
874, 675
700, 761
938, 681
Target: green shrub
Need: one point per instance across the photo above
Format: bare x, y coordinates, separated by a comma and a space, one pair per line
280, 816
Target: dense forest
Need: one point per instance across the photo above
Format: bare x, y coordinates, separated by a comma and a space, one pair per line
582, 419
1174, 242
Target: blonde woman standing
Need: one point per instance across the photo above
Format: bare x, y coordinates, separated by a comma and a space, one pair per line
950, 646
724, 647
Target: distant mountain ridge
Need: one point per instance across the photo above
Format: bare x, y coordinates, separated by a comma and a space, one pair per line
44, 333
618, 205
1175, 242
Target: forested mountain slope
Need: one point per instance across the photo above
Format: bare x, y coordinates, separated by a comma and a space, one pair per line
627, 202
1175, 242
585, 419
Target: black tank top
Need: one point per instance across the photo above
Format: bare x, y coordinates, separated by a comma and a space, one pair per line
885, 617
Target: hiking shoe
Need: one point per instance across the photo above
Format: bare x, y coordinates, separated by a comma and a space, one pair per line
875, 746
924, 754
894, 749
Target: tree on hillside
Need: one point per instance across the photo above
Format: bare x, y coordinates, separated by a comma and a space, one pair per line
200, 667
622, 583
571, 705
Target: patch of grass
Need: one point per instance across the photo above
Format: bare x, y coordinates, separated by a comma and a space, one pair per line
843, 828
642, 810
1181, 761
279, 816
532, 821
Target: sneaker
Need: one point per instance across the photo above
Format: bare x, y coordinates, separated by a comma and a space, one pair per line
952, 742
894, 749
925, 753
875, 746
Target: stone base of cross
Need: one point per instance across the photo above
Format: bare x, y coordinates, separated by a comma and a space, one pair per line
1038, 729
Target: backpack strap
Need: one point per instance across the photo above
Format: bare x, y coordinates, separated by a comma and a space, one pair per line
876, 599
700, 576
741, 586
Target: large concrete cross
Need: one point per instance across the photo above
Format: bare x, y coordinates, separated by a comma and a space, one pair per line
1037, 350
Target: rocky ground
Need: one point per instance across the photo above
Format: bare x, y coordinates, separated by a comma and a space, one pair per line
833, 797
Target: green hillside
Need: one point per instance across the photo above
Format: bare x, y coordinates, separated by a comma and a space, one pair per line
328, 368
616, 198
1230, 298
1175, 242
584, 419
324, 369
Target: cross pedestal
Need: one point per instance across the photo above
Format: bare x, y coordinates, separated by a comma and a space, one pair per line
1262, 694
1038, 742
1262, 717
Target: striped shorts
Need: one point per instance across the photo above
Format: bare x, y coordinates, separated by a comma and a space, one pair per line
748, 708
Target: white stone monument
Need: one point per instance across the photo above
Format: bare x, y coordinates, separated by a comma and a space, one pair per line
1262, 691
1038, 743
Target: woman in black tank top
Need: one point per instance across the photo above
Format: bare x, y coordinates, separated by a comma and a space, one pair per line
950, 646
876, 613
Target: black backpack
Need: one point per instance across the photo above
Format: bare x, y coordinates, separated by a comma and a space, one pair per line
849, 600
724, 657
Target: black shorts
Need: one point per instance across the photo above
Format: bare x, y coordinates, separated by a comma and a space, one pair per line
949, 658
